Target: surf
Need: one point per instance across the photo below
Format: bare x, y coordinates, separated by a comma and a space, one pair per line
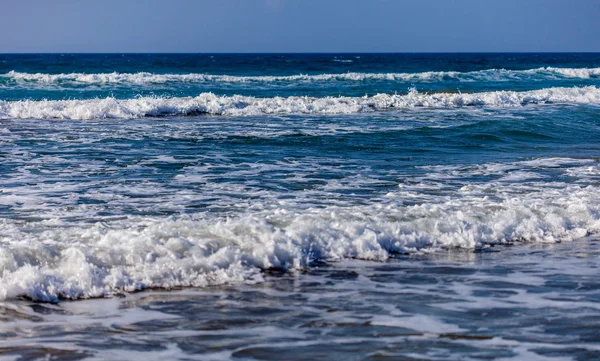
237, 105
136, 253
140, 78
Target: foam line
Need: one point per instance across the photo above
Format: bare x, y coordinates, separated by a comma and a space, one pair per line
209, 103
151, 78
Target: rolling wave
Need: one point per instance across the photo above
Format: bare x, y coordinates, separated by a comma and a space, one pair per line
209, 103
103, 259
429, 76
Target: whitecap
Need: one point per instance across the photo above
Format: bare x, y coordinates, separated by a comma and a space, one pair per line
427, 76
237, 105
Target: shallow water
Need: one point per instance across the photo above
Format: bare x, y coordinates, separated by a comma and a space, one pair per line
532, 302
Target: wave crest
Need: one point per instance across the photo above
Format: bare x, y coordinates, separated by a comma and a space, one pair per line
209, 103
100, 260
151, 78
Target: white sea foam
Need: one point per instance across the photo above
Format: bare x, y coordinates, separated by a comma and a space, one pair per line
151, 78
208, 103
583, 73
137, 253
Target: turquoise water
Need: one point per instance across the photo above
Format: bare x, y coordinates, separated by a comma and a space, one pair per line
335, 206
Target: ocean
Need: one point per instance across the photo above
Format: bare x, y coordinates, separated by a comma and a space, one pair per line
300, 206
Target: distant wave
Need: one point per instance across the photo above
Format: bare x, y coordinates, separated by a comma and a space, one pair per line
429, 76
209, 103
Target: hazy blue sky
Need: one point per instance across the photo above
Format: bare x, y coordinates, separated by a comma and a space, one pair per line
298, 25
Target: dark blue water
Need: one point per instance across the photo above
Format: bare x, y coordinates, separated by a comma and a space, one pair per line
335, 206
430, 72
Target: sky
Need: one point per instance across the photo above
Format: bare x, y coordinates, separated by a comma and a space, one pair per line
208, 26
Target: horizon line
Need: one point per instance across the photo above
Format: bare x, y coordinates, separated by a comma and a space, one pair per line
296, 53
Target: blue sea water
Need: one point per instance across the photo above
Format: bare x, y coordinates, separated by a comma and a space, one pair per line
300, 206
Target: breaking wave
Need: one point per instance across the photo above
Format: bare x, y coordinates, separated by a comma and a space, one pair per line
429, 76
138, 253
209, 103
